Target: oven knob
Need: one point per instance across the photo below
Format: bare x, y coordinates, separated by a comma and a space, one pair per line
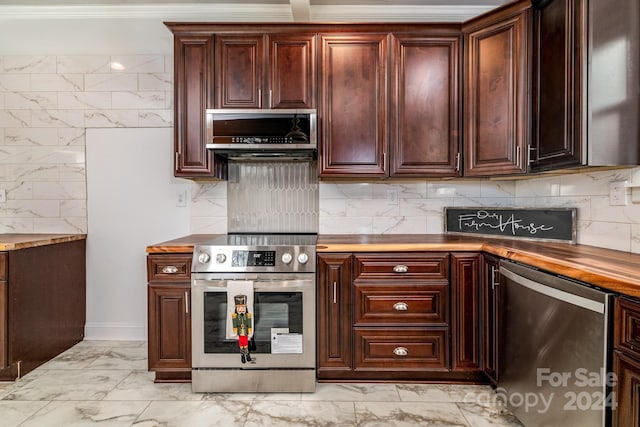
303, 258
204, 258
286, 257
221, 258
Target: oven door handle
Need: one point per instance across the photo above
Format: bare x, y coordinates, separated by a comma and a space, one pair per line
198, 285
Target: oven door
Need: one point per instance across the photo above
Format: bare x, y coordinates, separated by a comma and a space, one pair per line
283, 309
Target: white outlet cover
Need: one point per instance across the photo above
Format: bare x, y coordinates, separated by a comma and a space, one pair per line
618, 193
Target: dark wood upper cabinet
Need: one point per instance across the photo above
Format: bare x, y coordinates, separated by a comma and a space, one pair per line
265, 71
497, 92
292, 71
559, 53
353, 105
424, 119
193, 92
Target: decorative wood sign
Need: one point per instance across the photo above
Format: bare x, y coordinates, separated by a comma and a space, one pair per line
533, 224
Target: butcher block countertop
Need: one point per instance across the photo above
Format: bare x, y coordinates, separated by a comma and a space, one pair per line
15, 241
181, 245
613, 270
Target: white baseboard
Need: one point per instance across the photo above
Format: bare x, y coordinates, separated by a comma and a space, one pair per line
115, 331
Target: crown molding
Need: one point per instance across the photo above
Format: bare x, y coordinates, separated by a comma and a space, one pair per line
186, 12
247, 12
427, 13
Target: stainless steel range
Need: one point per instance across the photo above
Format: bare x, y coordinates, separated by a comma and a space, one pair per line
253, 313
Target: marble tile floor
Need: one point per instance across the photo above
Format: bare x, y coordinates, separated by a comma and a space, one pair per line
106, 383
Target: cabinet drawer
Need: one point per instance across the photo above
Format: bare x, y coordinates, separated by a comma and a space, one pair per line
401, 304
3, 266
402, 265
169, 268
627, 326
401, 349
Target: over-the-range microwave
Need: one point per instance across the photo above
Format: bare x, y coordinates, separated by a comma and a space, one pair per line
240, 134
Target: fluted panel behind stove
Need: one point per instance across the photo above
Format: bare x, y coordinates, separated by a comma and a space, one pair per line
273, 197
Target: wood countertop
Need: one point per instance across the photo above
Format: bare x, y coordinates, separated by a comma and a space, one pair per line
15, 241
181, 245
609, 269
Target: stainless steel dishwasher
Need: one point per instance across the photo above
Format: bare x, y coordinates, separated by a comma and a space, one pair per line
554, 355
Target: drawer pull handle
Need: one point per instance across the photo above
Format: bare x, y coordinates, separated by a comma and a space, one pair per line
400, 268
401, 351
170, 269
401, 306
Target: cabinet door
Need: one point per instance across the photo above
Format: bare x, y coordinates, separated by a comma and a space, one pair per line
169, 328
496, 101
490, 283
193, 65
465, 319
334, 314
559, 76
239, 71
353, 110
425, 134
292, 71
627, 391
4, 325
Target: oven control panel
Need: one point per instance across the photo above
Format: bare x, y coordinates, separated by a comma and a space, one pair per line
231, 259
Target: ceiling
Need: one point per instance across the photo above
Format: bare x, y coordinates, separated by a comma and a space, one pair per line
259, 10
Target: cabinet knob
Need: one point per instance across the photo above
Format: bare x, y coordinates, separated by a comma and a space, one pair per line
401, 306
400, 268
401, 351
169, 269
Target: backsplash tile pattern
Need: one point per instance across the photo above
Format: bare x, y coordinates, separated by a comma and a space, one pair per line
599, 224
46, 104
403, 207
273, 197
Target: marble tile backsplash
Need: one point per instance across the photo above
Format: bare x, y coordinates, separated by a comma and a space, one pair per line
46, 104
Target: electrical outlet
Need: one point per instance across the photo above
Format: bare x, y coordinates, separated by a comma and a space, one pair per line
181, 198
392, 196
618, 193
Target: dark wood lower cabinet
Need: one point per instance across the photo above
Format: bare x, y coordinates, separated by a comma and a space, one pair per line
42, 304
413, 318
627, 391
490, 288
465, 322
334, 315
170, 335
169, 312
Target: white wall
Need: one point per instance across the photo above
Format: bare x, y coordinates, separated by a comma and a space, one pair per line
131, 204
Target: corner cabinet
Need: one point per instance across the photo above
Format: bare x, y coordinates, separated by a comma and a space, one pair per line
265, 71
497, 92
169, 323
559, 60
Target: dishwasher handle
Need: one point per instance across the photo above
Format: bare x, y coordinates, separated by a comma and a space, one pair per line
553, 292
